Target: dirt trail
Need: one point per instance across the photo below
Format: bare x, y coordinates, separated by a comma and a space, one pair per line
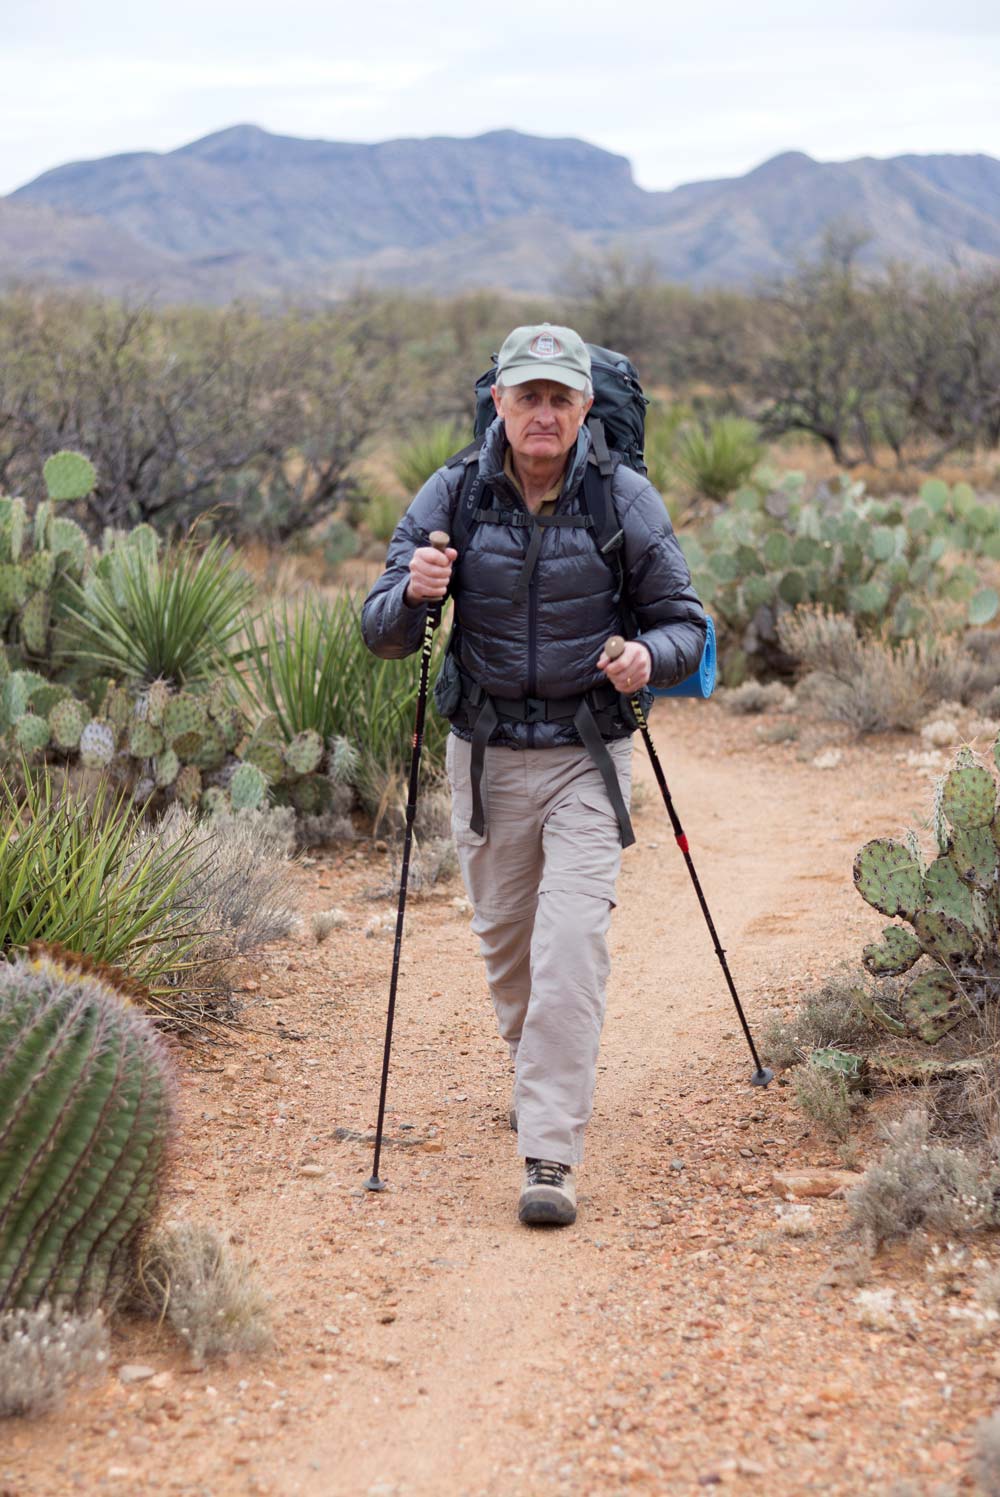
676, 1338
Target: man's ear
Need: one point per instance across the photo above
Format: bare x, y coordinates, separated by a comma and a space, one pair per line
497, 397
586, 409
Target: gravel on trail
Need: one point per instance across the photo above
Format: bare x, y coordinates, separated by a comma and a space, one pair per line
692, 1330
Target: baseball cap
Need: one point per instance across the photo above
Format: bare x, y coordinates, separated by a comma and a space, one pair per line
543, 351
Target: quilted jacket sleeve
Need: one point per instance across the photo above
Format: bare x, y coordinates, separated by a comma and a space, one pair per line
390, 626
669, 617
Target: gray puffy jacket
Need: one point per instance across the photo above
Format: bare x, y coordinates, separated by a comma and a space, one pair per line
548, 645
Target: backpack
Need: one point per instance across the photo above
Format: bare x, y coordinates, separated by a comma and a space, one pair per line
617, 423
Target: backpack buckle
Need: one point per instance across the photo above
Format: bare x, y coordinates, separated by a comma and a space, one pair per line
534, 710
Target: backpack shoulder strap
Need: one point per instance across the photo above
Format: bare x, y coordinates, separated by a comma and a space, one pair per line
608, 533
462, 519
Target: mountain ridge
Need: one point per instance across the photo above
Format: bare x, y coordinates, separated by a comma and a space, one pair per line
246, 211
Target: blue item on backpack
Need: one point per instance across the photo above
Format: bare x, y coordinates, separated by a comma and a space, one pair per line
701, 683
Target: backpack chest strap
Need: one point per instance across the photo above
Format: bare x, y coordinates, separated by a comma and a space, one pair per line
540, 524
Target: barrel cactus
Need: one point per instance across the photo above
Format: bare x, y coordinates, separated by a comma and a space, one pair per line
86, 1104
952, 906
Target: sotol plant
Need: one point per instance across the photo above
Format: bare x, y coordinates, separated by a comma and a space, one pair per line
85, 1115
950, 909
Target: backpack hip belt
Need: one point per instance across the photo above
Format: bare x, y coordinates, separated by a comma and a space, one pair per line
483, 712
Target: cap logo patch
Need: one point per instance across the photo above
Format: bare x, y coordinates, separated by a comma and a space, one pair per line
545, 346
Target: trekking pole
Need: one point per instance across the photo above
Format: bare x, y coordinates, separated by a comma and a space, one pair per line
439, 540
763, 1074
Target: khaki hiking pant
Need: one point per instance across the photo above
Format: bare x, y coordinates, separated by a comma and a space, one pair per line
542, 884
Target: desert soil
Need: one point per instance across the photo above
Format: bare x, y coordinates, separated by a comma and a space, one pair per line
677, 1337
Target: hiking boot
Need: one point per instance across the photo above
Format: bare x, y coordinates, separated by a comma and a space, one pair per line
548, 1195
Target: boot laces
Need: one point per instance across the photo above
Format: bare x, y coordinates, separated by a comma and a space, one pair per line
546, 1172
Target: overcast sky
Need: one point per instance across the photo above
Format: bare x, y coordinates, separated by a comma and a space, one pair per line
685, 92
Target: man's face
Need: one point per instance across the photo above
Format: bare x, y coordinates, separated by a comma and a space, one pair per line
541, 417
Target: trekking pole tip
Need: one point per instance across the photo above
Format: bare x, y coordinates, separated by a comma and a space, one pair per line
762, 1076
374, 1183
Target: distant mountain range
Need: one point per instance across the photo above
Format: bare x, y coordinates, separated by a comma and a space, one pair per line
245, 212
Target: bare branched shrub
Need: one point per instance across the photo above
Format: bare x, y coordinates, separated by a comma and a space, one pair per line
42, 1353
242, 872
917, 1183
757, 696
828, 1016
866, 682
208, 1294
824, 1099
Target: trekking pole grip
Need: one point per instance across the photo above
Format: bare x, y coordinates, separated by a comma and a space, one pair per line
440, 540
614, 647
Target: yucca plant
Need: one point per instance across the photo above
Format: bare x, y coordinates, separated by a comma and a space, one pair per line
427, 452
81, 874
177, 617
717, 461
308, 666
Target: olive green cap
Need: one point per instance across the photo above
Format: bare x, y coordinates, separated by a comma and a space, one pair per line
544, 352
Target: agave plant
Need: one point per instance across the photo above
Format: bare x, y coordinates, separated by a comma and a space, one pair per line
717, 461
428, 452
142, 617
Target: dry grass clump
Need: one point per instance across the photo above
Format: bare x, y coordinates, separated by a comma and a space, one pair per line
208, 1294
828, 1016
241, 861
917, 1183
324, 921
823, 1097
757, 696
42, 1353
870, 684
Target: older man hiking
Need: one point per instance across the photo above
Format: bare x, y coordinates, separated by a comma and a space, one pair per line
539, 757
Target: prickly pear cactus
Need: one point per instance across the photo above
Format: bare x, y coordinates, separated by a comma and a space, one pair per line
85, 1115
69, 475
97, 743
952, 906
247, 788
305, 752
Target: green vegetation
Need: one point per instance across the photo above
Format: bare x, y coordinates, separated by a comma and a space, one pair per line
86, 1113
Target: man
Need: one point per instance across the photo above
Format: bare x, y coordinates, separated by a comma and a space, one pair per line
539, 756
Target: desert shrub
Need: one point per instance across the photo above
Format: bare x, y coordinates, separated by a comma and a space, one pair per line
338, 543
827, 1017
822, 1096
381, 514
324, 921
757, 696
871, 683
716, 461
238, 864
143, 617
42, 1353
917, 1183
427, 452
209, 1295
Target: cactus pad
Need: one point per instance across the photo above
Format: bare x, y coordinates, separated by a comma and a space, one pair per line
969, 797
13, 698
67, 720
888, 877
305, 752
15, 528
898, 951
214, 800
840, 1063
35, 617
144, 741
69, 475
85, 1115
39, 570
97, 743
183, 714
943, 890
68, 544
117, 707
932, 1004
944, 937
166, 768
187, 786
974, 854
876, 1014
31, 733
13, 586
210, 752
157, 698
247, 788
